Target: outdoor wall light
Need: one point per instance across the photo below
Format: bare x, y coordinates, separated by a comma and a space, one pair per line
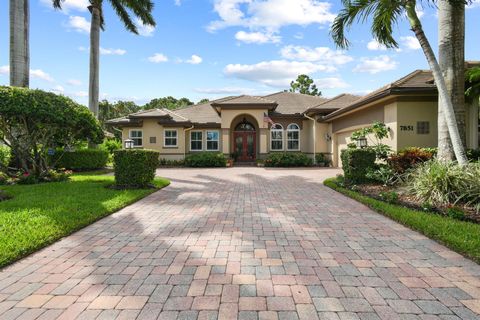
128, 144
362, 142
328, 137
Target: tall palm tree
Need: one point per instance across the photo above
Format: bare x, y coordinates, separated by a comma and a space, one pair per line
385, 15
451, 57
142, 9
19, 43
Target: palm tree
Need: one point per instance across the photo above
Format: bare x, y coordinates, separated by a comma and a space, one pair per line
385, 15
451, 57
142, 9
19, 43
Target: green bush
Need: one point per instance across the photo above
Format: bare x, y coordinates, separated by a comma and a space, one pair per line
288, 159
171, 163
5, 156
473, 154
84, 159
321, 158
206, 159
445, 183
135, 168
408, 158
383, 174
356, 163
110, 145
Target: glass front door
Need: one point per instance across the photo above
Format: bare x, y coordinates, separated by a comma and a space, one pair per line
245, 146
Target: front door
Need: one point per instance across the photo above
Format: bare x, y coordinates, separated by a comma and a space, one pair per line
245, 146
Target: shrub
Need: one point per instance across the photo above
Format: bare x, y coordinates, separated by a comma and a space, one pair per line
444, 183
171, 163
135, 168
288, 159
389, 196
408, 158
473, 154
110, 145
455, 213
57, 176
4, 178
84, 159
356, 163
383, 174
206, 160
5, 156
26, 178
320, 158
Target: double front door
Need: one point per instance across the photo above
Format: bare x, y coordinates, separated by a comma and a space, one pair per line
245, 145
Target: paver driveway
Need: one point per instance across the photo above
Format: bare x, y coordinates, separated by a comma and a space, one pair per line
246, 242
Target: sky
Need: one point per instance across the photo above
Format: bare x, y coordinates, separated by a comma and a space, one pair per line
215, 48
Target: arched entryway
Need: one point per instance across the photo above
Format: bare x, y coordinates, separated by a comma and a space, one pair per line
244, 140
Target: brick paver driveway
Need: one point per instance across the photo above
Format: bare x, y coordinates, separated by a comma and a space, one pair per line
246, 242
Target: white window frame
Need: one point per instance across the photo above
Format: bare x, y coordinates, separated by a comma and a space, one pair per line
201, 140
218, 140
133, 138
165, 138
289, 129
272, 130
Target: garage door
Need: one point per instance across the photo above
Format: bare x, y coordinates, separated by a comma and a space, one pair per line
343, 139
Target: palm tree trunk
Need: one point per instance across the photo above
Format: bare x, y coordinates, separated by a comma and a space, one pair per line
451, 58
94, 84
448, 110
19, 43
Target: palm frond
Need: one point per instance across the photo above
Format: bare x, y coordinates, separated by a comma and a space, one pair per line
386, 15
57, 4
119, 8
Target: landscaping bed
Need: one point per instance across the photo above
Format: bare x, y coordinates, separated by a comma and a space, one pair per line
460, 236
40, 214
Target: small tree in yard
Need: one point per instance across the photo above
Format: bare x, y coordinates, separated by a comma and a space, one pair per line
34, 121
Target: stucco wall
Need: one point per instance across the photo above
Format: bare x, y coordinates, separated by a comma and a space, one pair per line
472, 125
408, 114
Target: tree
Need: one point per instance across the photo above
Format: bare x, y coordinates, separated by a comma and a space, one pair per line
108, 111
451, 57
304, 84
142, 9
203, 101
42, 120
19, 43
472, 78
385, 15
169, 102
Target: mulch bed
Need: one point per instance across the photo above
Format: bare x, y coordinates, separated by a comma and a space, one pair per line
407, 200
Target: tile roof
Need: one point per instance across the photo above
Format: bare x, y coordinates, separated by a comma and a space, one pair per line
337, 102
294, 103
244, 99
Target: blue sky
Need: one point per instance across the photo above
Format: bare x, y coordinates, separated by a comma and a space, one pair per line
213, 48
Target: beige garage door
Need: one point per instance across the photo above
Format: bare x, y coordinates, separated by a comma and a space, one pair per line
343, 139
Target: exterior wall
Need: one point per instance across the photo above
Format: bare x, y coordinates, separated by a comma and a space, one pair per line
408, 114
472, 125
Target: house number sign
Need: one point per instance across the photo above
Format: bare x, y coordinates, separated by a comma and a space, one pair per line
406, 128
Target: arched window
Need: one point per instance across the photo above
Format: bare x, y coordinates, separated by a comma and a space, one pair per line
276, 137
244, 126
293, 137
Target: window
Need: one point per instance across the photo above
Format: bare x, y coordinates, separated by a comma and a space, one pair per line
276, 135
170, 138
153, 140
293, 137
196, 141
137, 137
212, 140
423, 127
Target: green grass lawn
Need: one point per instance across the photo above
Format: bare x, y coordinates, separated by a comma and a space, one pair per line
460, 236
43, 213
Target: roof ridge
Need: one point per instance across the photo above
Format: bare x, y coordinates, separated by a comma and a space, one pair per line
170, 111
404, 79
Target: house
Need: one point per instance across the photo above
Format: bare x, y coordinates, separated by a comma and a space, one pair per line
250, 127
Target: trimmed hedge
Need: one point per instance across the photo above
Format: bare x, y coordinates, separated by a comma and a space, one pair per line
206, 160
356, 163
288, 159
135, 168
79, 160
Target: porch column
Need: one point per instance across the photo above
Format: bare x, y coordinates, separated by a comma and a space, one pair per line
226, 141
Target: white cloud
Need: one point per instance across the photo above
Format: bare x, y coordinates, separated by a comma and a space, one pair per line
58, 89
79, 24
270, 14
158, 58
374, 45
298, 36
194, 59
257, 37
81, 48
74, 82
144, 30
376, 65
68, 5
80, 94
34, 73
112, 52
276, 73
331, 83
410, 43
474, 4
178, 2
323, 55
225, 90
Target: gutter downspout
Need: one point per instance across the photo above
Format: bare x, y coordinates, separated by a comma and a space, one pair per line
314, 138
185, 145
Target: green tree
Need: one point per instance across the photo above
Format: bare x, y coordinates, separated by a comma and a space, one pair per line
142, 9
169, 102
108, 111
41, 120
385, 14
203, 101
472, 77
304, 84
19, 43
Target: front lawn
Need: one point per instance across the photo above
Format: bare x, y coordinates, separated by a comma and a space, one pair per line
460, 236
43, 213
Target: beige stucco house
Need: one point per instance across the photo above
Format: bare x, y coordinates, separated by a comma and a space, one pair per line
250, 127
